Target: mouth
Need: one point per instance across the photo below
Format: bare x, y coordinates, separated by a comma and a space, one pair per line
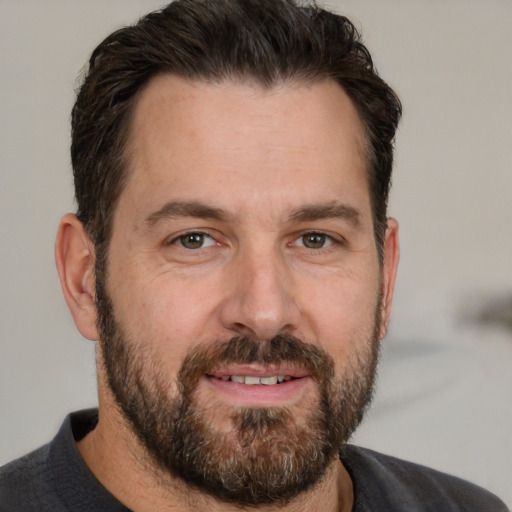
257, 386
250, 380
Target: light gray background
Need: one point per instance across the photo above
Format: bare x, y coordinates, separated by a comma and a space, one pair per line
445, 383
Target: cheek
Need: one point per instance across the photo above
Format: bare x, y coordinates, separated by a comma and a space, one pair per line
171, 313
341, 314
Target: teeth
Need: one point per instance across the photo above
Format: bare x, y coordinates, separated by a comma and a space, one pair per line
256, 381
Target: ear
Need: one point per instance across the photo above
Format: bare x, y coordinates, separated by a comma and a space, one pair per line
389, 269
75, 258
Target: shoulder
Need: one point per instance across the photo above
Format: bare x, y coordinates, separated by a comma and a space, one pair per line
26, 481
55, 478
405, 486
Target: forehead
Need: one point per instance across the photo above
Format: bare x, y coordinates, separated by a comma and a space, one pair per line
193, 137
179, 103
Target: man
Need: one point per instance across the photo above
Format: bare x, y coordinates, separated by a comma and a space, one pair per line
232, 257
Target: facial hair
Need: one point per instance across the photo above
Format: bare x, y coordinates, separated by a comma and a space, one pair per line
270, 455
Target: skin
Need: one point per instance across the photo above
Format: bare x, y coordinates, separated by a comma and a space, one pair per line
261, 158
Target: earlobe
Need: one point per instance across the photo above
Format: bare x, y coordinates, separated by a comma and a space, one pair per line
389, 270
74, 257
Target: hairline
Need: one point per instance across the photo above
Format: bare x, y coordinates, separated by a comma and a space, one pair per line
297, 80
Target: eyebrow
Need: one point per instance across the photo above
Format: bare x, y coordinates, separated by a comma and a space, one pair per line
332, 210
307, 213
174, 209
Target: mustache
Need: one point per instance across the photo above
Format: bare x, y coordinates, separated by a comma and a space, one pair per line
283, 348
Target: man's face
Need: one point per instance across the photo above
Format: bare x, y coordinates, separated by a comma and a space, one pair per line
243, 283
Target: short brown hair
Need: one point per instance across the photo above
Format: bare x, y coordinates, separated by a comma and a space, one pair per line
265, 41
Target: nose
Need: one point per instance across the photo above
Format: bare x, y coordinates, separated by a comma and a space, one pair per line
261, 301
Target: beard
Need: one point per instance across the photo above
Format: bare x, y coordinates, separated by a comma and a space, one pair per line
269, 454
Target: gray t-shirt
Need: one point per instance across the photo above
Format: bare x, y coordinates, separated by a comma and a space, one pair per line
54, 478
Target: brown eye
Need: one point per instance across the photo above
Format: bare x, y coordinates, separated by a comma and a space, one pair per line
195, 240
314, 240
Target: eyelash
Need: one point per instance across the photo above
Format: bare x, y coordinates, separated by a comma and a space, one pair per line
326, 240
180, 239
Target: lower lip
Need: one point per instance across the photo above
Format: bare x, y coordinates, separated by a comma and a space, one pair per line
260, 395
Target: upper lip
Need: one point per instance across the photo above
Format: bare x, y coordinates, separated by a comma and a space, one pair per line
261, 371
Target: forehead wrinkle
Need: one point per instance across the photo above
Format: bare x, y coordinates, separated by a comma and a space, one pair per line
331, 210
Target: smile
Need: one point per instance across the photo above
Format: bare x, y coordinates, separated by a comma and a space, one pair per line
257, 381
258, 387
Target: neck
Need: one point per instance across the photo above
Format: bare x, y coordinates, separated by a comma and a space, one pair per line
121, 464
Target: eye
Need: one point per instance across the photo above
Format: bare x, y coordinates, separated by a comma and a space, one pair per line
194, 240
314, 240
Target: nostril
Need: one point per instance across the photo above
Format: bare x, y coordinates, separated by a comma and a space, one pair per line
260, 308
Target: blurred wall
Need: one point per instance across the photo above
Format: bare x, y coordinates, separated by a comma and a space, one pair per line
450, 63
